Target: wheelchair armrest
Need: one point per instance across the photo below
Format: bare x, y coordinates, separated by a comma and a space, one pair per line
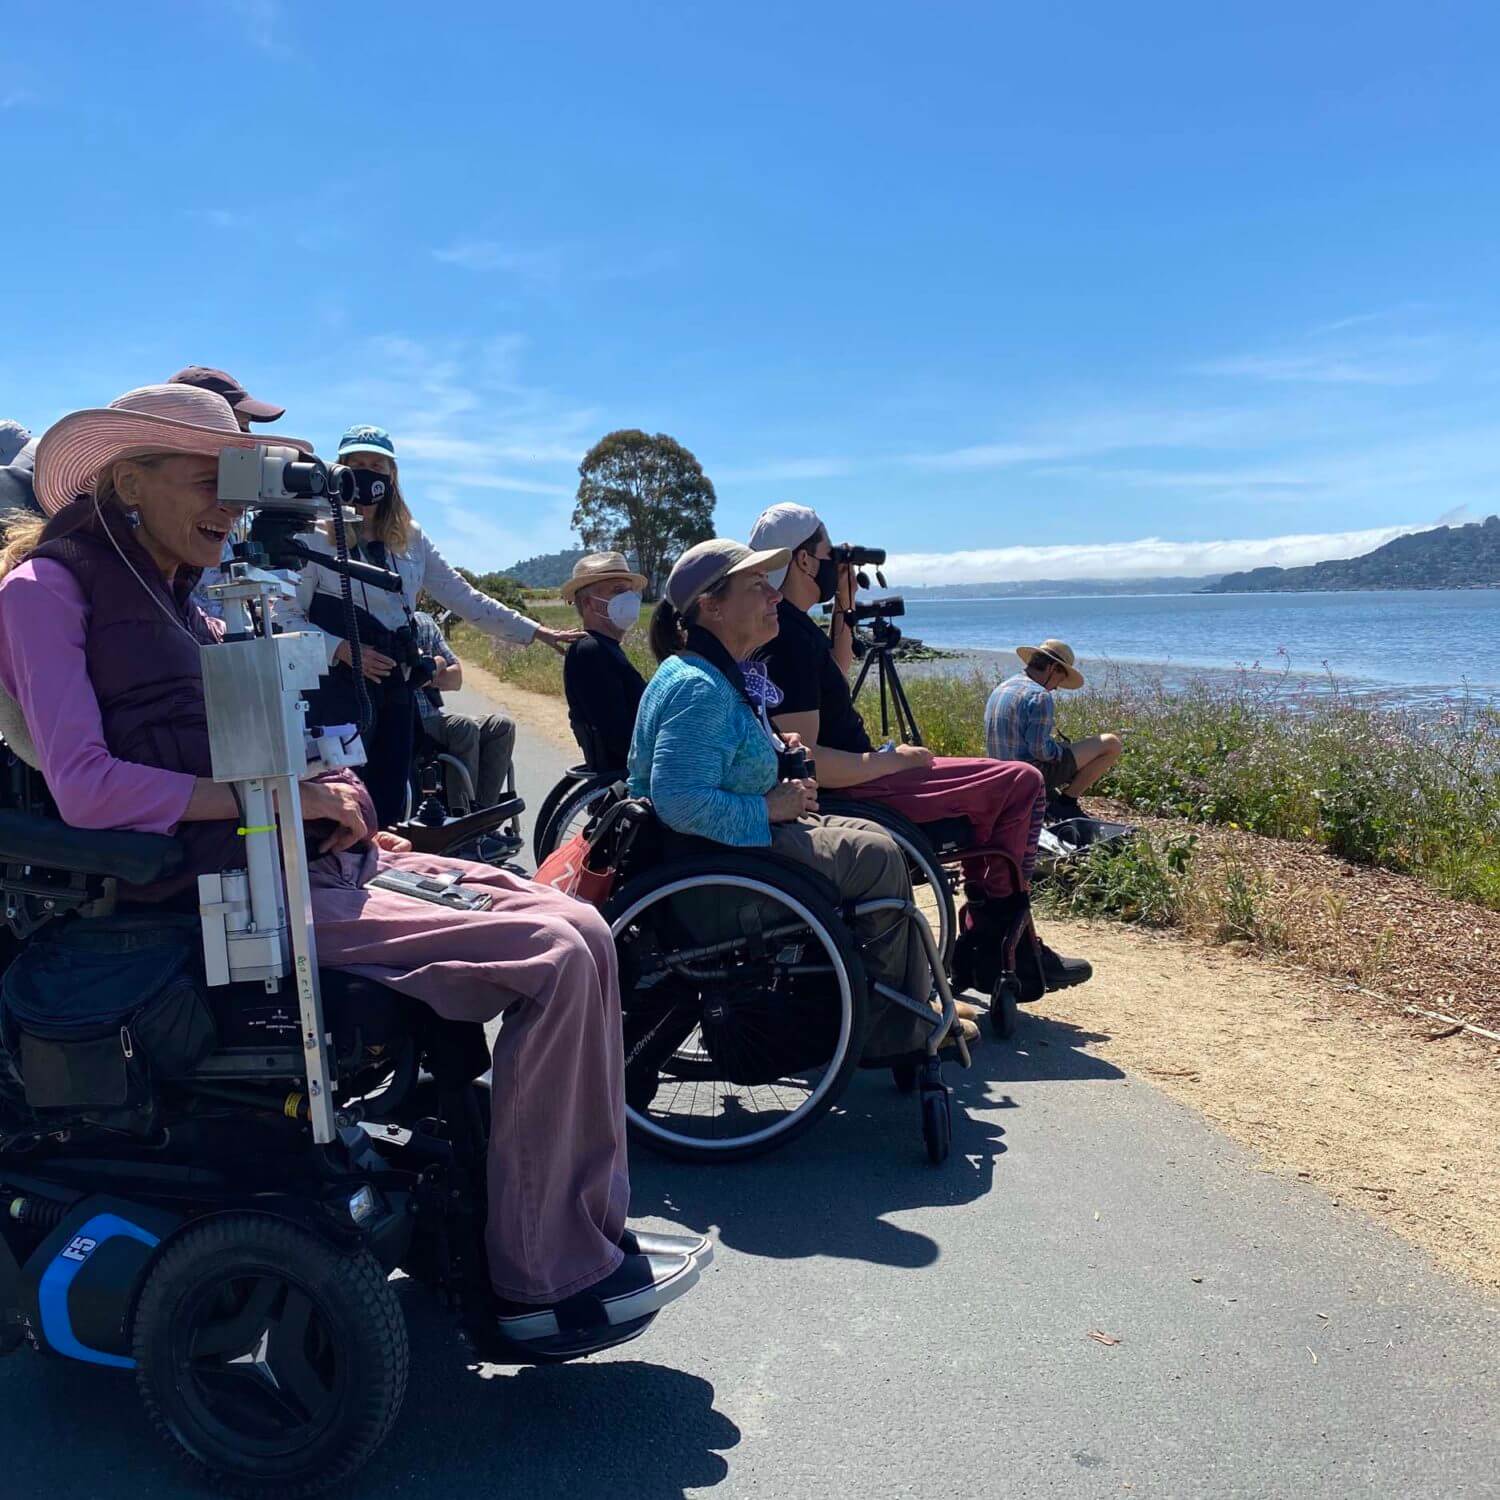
135, 858
429, 840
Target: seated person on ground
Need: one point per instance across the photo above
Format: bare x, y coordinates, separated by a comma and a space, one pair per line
484, 746
601, 683
706, 758
100, 647
1020, 724
1002, 803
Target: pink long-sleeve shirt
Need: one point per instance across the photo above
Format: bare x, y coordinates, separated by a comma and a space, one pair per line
43, 623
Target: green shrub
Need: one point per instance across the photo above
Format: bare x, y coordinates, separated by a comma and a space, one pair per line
1140, 880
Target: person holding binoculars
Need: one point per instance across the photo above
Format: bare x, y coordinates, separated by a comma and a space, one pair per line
1002, 800
705, 754
387, 535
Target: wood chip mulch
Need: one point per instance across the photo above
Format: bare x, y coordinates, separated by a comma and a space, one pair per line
1390, 934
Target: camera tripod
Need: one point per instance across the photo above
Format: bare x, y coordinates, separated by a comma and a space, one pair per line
895, 707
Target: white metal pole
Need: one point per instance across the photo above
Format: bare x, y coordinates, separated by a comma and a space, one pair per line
305, 957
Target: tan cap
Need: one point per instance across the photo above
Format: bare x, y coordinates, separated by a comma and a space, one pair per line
597, 567
1061, 653
703, 565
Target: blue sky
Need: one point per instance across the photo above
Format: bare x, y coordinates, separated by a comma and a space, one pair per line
1013, 290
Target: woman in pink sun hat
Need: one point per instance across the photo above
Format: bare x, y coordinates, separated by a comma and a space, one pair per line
100, 647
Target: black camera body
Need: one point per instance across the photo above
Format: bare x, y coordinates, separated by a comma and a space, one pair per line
795, 765
876, 609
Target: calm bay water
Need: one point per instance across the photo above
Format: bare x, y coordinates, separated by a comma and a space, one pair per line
1409, 644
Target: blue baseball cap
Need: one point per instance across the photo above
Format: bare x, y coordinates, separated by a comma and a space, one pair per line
366, 439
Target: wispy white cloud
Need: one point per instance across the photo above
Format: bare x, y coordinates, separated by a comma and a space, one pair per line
1332, 367
1150, 557
535, 267
262, 21
1101, 430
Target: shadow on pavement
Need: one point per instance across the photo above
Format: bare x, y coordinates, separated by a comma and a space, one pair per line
627, 1427
832, 1191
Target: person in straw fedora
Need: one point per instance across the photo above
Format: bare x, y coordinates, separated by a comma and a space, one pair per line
1020, 723
602, 685
100, 647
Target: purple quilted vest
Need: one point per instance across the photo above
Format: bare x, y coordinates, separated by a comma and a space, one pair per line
142, 648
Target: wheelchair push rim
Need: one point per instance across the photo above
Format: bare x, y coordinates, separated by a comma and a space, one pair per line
570, 814
697, 1114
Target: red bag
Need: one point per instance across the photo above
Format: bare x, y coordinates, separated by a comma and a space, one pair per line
566, 869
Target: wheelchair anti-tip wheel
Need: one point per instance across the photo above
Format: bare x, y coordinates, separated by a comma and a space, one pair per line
272, 1360
1004, 1003
744, 1005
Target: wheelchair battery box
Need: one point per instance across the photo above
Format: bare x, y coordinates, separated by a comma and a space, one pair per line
78, 1287
440, 890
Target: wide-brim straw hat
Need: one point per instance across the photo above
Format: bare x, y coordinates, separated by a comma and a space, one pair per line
74, 451
1061, 653
600, 567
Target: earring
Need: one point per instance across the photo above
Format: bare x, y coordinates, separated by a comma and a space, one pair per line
133, 518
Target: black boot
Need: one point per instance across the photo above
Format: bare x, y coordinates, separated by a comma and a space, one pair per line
1062, 973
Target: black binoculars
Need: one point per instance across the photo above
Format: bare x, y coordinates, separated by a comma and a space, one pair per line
795, 765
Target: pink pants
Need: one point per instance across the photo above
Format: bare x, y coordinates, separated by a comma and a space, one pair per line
558, 1185
1003, 799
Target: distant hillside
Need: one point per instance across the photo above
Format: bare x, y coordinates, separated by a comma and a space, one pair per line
1039, 588
1447, 557
548, 571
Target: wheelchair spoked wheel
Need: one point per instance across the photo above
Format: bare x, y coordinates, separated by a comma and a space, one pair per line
744, 1006
273, 1360
568, 815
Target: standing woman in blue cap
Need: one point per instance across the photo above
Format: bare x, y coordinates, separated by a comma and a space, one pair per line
389, 537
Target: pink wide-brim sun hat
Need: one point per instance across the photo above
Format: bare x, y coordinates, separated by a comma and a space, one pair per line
74, 451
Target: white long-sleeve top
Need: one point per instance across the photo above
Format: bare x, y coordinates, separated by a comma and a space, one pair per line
422, 567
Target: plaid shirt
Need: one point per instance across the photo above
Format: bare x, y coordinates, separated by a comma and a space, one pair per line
1018, 722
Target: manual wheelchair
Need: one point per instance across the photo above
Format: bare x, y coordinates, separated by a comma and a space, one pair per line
745, 998
171, 1211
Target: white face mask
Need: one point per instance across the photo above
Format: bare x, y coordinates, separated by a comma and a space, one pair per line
776, 577
624, 609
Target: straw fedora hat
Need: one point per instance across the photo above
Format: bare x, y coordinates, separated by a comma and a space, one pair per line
74, 451
597, 567
1059, 652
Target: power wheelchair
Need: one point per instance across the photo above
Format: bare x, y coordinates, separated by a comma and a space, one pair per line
745, 997
185, 1223
214, 1196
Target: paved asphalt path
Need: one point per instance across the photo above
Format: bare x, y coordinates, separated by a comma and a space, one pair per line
878, 1327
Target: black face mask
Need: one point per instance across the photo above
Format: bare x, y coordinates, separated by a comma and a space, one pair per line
370, 488
827, 579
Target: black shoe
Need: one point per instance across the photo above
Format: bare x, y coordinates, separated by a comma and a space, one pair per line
1062, 973
1062, 807
640, 1285
697, 1247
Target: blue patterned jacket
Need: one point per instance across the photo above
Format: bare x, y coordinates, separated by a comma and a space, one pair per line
701, 756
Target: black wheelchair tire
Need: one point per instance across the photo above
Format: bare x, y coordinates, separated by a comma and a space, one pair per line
562, 803
347, 1315
782, 879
